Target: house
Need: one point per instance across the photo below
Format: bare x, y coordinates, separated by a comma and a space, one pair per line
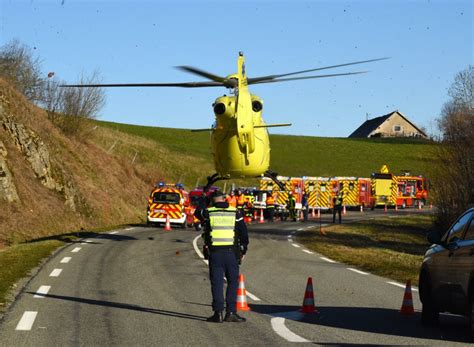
394, 124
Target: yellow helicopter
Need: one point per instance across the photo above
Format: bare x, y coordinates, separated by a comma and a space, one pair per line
239, 137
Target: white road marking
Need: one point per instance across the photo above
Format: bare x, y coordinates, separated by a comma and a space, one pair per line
75, 250
290, 240
199, 253
42, 291
289, 236
129, 228
278, 325
295, 245
293, 232
55, 273
113, 232
357, 271
300, 229
327, 259
65, 260
401, 285
306, 251
26, 321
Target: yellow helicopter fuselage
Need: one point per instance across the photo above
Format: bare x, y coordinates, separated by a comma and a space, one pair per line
239, 148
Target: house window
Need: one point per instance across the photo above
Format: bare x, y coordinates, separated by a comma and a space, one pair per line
397, 128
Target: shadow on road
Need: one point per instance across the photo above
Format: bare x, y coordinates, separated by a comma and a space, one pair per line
123, 306
375, 320
75, 237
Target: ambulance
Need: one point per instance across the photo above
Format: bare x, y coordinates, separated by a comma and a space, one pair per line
168, 200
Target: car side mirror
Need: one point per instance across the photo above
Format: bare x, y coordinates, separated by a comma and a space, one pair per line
434, 237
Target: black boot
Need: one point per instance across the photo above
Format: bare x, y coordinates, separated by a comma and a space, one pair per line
233, 317
216, 317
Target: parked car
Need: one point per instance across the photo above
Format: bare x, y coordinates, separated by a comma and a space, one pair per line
447, 273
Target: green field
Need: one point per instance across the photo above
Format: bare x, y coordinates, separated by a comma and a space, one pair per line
304, 155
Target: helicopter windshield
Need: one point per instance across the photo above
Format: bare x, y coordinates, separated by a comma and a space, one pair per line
166, 198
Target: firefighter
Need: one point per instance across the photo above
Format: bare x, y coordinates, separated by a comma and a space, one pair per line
240, 201
248, 207
225, 244
337, 206
232, 200
270, 205
305, 206
291, 206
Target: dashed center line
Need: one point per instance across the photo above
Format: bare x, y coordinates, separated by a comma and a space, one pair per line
306, 251
113, 232
295, 245
26, 321
42, 291
357, 271
401, 285
75, 250
327, 259
55, 273
65, 260
129, 228
300, 229
290, 240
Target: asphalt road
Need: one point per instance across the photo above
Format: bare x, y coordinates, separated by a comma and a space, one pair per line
145, 286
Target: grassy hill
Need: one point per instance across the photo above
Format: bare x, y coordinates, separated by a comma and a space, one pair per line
295, 155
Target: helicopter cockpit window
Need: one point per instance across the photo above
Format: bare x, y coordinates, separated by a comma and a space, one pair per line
166, 198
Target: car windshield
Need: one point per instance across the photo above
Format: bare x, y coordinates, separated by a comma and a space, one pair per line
166, 198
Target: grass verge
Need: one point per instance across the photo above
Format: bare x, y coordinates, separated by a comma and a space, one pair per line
389, 247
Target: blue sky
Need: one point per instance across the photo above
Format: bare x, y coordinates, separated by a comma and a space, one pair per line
138, 41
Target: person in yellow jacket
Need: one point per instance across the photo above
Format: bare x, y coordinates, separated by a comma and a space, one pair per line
225, 243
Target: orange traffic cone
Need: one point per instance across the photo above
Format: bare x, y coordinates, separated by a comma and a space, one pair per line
385, 208
168, 224
319, 212
396, 207
312, 213
431, 206
242, 296
344, 209
419, 205
361, 208
407, 305
308, 301
254, 214
262, 220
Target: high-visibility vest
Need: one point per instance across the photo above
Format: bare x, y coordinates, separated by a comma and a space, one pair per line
222, 222
232, 200
270, 202
241, 200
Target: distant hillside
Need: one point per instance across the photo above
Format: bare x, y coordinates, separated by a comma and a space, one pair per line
51, 183
303, 155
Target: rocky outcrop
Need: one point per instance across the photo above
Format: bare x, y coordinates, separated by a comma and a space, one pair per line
37, 154
7, 186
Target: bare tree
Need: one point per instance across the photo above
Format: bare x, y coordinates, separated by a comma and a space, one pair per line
19, 65
453, 178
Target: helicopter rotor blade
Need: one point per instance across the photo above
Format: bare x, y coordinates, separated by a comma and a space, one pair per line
201, 73
182, 85
273, 125
228, 83
310, 77
272, 77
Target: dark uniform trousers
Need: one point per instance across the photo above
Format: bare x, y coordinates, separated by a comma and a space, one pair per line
223, 262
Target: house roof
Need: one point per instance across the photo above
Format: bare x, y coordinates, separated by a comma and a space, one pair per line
370, 125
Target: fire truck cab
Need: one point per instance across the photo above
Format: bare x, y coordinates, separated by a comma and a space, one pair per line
168, 200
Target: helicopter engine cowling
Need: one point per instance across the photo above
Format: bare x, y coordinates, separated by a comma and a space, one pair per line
224, 107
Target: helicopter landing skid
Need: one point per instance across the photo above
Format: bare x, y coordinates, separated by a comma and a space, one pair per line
273, 176
213, 179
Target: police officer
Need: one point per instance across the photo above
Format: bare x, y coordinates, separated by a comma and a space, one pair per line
225, 243
337, 207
